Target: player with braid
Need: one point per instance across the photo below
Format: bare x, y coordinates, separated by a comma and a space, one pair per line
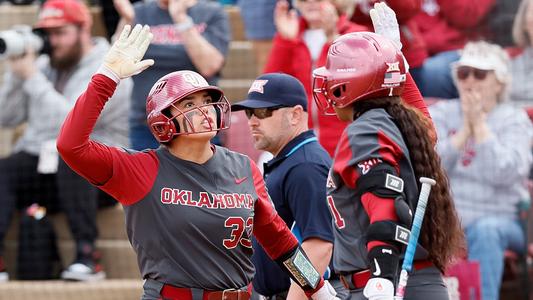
373, 184
190, 206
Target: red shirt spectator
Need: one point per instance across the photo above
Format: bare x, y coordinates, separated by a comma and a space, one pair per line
449, 24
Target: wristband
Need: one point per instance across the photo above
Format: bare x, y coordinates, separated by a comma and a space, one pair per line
185, 25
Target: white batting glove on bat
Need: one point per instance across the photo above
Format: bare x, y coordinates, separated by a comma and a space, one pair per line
379, 289
124, 57
326, 292
385, 22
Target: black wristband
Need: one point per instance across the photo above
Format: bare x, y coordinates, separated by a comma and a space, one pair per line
384, 262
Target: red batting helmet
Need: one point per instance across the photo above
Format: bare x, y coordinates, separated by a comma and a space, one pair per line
170, 89
359, 65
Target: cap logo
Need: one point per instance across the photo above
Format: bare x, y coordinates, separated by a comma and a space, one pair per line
51, 12
258, 86
393, 67
194, 79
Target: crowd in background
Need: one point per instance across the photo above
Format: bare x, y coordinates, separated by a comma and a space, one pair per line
479, 93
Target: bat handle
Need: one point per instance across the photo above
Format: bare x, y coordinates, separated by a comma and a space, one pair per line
407, 265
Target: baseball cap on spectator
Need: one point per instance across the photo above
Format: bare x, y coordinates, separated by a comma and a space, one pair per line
274, 90
485, 56
57, 13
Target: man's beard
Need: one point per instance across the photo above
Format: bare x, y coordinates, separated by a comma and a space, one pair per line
68, 61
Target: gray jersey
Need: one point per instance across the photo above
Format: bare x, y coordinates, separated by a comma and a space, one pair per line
370, 140
203, 216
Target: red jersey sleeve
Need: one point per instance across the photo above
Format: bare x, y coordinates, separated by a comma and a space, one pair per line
125, 176
269, 229
411, 96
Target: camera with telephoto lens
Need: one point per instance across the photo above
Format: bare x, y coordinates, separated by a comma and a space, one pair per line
15, 41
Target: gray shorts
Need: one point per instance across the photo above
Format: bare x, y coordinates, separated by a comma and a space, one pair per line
423, 284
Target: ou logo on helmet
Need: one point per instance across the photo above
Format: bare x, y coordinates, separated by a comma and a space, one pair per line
194, 79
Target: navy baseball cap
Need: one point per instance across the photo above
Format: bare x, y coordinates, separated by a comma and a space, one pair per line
274, 89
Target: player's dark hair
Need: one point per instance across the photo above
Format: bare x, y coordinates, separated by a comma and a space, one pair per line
441, 232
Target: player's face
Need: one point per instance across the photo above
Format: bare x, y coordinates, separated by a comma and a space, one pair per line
344, 113
268, 129
194, 114
65, 42
483, 82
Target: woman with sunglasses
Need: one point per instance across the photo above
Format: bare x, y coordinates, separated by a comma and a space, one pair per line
190, 207
373, 184
485, 145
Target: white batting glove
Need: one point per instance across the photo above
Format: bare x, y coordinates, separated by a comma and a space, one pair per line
124, 57
385, 23
326, 292
379, 289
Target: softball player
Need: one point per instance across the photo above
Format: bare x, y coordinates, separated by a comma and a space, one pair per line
190, 206
372, 185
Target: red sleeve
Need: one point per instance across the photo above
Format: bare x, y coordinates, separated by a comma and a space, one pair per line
269, 229
378, 209
411, 96
465, 14
127, 177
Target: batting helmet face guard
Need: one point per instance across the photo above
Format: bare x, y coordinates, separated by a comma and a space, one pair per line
359, 66
168, 91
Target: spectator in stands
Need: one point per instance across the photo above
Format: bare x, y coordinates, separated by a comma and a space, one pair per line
188, 35
258, 19
446, 26
485, 145
40, 92
276, 107
414, 47
521, 91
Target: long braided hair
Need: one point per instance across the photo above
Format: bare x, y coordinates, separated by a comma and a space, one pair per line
441, 232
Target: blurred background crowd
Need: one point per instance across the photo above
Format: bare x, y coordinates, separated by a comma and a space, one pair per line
481, 90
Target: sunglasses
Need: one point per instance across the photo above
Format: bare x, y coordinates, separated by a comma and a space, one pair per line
464, 72
261, 113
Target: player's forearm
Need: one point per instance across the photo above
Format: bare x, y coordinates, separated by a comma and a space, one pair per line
83, 155
319, 252
205, 57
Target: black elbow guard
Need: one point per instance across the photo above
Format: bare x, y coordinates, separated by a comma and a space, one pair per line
384, 262
298, 266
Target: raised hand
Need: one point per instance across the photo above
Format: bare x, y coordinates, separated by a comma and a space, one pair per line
124, 57
385, 23
286, 21
124, 9
329, 19
178, 9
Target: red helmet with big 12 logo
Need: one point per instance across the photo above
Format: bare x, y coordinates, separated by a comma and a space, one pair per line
359, 66
172, 88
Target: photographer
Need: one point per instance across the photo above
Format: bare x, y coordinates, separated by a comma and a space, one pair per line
39, 91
